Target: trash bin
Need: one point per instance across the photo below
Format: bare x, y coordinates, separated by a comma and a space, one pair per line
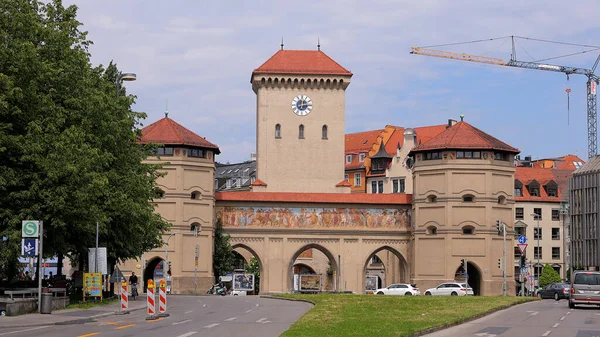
46, 303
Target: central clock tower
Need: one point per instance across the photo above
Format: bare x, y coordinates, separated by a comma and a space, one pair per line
300, 131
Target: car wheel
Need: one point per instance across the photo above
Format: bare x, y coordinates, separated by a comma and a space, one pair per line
235, 294
454, 293
408, 293
427, 293
556, 298
571, 305
380, 293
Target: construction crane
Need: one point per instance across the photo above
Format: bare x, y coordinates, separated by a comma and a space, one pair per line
592, 82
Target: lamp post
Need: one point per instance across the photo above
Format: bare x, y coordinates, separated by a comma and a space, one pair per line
124, 77
537, 217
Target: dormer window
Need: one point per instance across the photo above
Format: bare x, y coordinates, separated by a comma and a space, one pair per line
534, 188
348, 158
551, 188
361, 157
518, 188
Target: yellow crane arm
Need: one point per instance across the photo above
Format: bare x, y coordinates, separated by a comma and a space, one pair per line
458, 56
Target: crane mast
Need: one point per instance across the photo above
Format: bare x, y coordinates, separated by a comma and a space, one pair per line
592, 82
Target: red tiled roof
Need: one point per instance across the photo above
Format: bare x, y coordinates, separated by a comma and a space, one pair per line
311, 62
258, 182
168, 132
425, 133
343, 183
463, 135
359, 142
542, 175
330, 198
562, 163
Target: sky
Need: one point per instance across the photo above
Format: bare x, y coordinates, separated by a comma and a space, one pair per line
199, 55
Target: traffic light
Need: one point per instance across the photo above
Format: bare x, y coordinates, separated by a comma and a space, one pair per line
169, 269
500, 263
498, 226
522, 261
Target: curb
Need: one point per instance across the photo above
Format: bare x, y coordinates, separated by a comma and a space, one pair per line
67, 322
287, 299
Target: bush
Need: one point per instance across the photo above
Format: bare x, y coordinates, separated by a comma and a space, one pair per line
549, 276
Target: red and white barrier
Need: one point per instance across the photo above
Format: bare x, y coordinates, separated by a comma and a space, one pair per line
151, 300
124, 296
162, 299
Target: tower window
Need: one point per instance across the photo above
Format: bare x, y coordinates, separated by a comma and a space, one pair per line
468, 198
468, 230
431, 198
324, 132
431, 230
301, 132
277, 131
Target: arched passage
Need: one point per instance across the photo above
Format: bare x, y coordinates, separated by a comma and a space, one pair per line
322, 263
253, 264
154, 270
473, 274
388, 264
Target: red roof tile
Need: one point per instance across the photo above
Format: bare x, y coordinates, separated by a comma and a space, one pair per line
542, 175
463, 135
343, 183
168, 132
359, 142
425, 133
258, 182
311, 62
562, 163
329, 198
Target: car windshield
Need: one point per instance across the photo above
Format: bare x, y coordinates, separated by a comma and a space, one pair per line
587, 278
464, 285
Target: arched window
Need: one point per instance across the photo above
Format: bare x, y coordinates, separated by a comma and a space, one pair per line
431, 198
468, 198
502, 200
159, 193
195, 195
301, 131
431, 230
324, 132
468, 230
277, 131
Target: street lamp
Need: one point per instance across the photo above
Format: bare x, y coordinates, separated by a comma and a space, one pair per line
537, 217
124, 77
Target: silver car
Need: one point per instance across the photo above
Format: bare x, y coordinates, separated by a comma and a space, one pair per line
585, 288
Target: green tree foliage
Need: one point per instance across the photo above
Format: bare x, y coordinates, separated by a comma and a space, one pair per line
549, 276
223, 257
254, 268
68, 146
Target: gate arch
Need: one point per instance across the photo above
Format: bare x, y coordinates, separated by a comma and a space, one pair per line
402, 261
256, 256
149, 271
474, 273
290, 267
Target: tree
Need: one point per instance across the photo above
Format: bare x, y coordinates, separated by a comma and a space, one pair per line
549, 276
223, 257
254, 268
69, 152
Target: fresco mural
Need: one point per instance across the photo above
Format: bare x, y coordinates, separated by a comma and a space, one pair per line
314, 217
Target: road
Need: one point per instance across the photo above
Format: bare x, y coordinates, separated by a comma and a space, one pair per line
190, 316
541, 318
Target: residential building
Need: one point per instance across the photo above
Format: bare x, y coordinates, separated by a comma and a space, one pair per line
235, 177
357, 147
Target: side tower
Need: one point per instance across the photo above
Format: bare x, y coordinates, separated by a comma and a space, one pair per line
463, 184
300, 106
185, 198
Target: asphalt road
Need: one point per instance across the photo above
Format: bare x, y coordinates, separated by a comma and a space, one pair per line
541, 318
190, 316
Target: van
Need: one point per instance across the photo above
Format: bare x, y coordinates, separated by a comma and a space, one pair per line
585, 288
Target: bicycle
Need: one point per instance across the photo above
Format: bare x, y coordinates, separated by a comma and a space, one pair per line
134, 291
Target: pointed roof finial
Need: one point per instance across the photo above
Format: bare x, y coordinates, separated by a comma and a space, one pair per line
462, 117
318, 44
167, 109
282, 43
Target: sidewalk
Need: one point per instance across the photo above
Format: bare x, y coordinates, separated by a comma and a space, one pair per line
68, 316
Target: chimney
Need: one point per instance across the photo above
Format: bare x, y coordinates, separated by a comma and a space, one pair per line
451, 122
252, 156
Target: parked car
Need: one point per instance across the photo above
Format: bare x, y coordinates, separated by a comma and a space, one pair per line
399, 289
585, 288
238, 293
450, 289
555, 291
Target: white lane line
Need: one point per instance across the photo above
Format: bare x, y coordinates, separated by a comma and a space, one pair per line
187, 320
257, 304
212, 325
555, 325
188, 334
534, 313
204, 305
189, 312
568, 312
546, 333
247, 311
230, 319
19, 331
261, 320
563, 318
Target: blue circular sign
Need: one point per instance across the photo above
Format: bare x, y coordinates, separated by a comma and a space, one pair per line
522, 239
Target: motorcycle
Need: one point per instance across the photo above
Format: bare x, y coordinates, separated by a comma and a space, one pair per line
216, 290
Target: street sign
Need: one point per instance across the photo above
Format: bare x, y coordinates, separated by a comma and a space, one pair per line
30, 229
117, 276
522, 239
523, 271
29, 247
522, 248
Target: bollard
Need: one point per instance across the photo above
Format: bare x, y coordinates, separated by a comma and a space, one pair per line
151, 299
162, 299
124, 299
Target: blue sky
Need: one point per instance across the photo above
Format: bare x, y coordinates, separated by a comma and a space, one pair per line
199, 56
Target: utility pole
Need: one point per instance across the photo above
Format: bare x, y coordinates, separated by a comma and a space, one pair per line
96, 252
504, 259
196, 262
40, 261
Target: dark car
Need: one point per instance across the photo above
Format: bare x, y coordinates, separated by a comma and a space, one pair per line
555, 291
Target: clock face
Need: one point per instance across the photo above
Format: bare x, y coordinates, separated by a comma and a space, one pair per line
302, 105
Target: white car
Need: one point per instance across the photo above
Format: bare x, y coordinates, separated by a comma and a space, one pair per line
450, 289
238, 293
399, 289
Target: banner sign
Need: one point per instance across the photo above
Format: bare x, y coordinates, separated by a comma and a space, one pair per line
92, 285
310, 283
243, 282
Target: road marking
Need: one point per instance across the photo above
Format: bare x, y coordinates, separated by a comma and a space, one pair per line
204, 305
188, 334
189, 312
534, 313
212, 325
546, 333
261, 320
568, 312
187, 320
247, 311
155, 320
88, 335
111, 323
257, 304
484, 334
37, 328
563, 318
124, 326
555, 325
230, 319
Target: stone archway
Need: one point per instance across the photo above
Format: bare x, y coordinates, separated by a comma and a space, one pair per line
474, 276
248, 253
325, 275
393, 264
150, 271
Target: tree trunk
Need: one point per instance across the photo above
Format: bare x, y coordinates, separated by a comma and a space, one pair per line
59, 265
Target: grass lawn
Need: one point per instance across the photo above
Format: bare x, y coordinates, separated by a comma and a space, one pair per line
371, 315
90, 303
